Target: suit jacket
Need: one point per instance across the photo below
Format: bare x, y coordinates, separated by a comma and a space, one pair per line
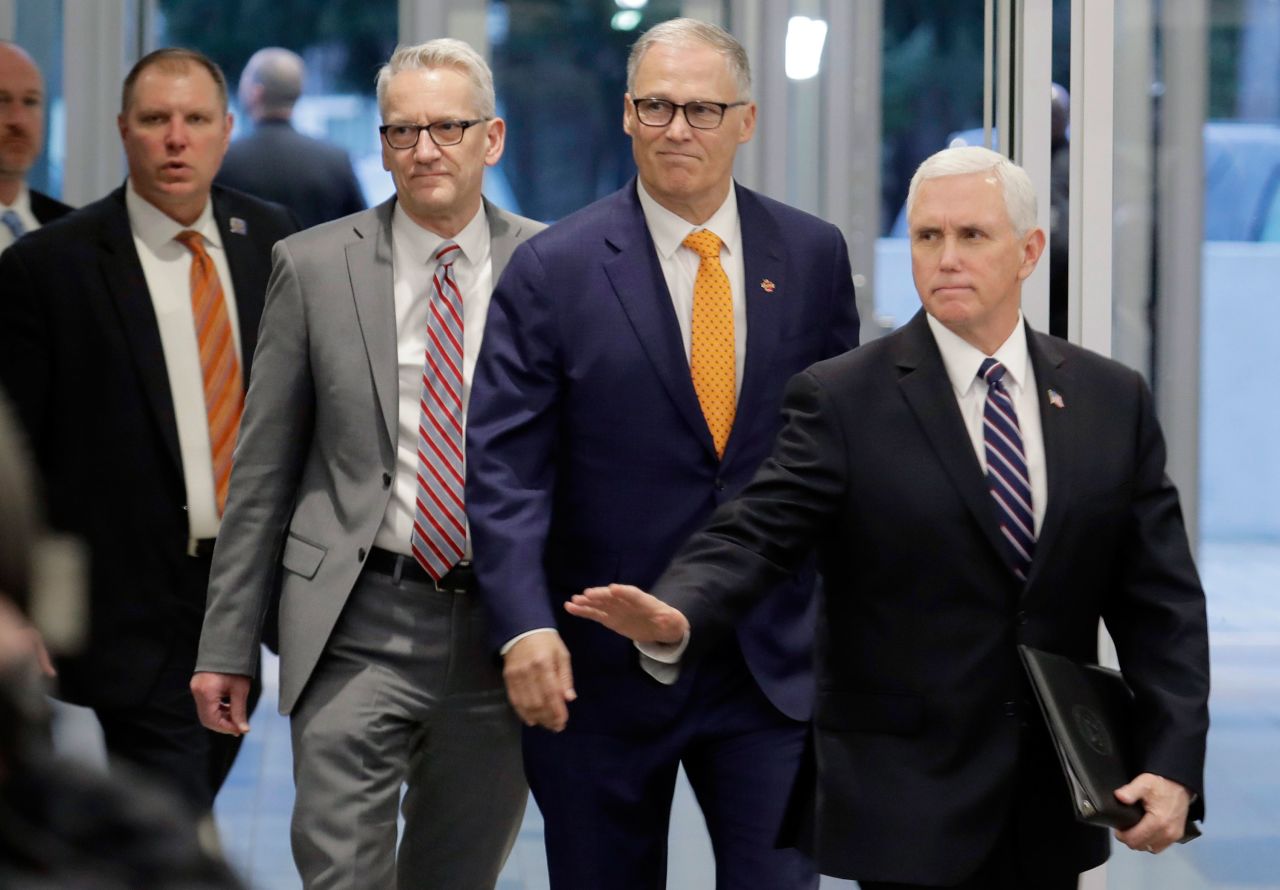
45, 208
316, 456
924, 717
277, 163
589, 459
80, 353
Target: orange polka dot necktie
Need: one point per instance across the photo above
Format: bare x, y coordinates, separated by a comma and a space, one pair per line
711, 354
219, 364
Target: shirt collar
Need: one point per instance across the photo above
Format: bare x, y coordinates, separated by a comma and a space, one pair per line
669, 230
21, 203
416, 241
962, 359
155, 228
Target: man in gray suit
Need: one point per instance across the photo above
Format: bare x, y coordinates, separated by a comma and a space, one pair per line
347, 492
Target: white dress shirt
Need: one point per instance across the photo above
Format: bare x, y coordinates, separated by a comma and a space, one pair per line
962, 361
22, 206
680, 266
166, 265
412, 249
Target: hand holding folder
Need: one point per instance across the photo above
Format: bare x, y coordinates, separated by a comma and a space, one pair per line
1087, 711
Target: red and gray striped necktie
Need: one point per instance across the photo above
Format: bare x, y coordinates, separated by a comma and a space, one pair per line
439, 523
1007, 476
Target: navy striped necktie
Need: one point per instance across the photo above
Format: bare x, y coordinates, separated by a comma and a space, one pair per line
1007, 477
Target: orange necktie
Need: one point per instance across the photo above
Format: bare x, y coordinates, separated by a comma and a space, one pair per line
711, 356
223, 387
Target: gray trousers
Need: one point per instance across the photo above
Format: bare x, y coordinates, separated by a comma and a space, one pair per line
407, 691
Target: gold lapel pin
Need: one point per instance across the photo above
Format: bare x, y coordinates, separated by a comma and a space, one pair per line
767, 286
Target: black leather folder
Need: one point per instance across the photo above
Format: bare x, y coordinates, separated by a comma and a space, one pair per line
1087, 710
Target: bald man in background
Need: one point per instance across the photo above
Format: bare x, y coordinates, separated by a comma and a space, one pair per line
22, 209
276, 162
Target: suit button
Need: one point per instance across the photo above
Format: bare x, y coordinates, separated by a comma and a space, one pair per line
360, 554
386, 480
1022, 617
719, 485
1011, 709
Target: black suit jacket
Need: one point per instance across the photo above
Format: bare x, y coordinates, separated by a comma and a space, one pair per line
925, 738
277, 163
47, 209
81, 355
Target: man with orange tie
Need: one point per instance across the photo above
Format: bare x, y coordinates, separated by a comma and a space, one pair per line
629, 382
127, 331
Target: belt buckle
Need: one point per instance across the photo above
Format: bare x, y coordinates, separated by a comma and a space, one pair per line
456, 587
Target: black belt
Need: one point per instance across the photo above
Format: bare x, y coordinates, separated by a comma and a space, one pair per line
459, 579
200, 548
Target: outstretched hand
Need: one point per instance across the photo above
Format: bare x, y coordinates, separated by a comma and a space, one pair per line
631, 612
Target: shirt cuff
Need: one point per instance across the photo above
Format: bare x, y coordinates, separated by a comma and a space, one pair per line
662, 660
506, 647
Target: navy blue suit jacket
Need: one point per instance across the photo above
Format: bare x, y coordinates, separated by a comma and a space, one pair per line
589, 460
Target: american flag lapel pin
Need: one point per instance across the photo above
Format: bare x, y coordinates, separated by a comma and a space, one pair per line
767, 286
238, 226
1056, 400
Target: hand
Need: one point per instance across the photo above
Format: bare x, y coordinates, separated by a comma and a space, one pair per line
20, 640
1166, 803
539, 680
630, 611
221, 701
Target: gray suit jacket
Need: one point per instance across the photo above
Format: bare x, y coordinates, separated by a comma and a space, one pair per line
313, 467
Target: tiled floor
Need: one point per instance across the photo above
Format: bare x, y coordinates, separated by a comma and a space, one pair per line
1240, 850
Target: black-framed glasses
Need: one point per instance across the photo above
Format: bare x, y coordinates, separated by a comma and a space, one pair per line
701, 115
442, 133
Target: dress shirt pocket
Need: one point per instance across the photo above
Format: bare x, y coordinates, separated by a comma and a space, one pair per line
301, 556
892, 713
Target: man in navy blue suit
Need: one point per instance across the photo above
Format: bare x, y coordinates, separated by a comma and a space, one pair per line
630, 382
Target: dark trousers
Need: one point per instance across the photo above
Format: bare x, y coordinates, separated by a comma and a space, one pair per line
161, 734
606, 799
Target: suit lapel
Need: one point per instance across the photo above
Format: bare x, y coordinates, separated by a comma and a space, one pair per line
637, 281
122, 272
373, 287
248, 278
927, 388
765, 295
1061, 441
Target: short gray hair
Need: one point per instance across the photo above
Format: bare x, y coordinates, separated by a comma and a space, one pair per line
1019, 194
444, 52
279, 72
681, 32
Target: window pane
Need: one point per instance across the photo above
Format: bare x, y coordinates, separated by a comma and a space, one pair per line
39, 32
560, 68
343, 42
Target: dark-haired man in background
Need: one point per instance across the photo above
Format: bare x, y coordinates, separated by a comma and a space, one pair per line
126, 334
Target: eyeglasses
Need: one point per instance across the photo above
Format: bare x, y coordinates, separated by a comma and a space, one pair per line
442, 133
700, 115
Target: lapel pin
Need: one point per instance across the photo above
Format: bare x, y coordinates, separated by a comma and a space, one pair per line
238, 226
1056, 400
767, 286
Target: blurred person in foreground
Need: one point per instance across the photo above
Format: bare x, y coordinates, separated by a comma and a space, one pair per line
968, 484
276, 162
127, 332
63, 824
347, 493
